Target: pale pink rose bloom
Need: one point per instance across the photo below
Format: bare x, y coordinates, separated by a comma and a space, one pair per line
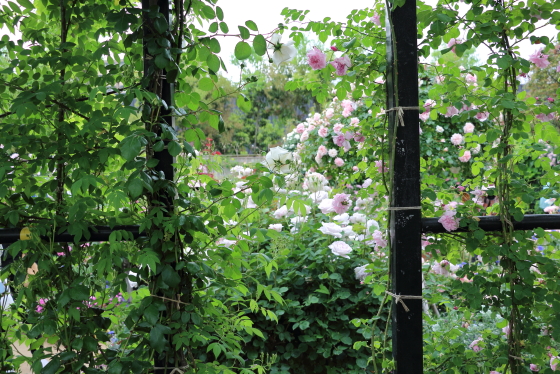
346, 113
339, 162
340, 249
449, 221
380, 167
316, 117
378, 239
379, 80
367, 183
456, 139
322, 150
316, 58
341, 203
545, 117
539, 59
553, 209
355, 168
429, 104
470, 78
495, 372
304, 136
39, 309
339, 140
451, 111
424, 116
533, 367
323, 132
43, 301
300, 128
474, 345
326, 206
465, 157
468, 128
482, 116
354, 121
558, 68
554, 361
341, 64
440, 79
359, 138
337, 128
275, 227
330, 228
348, 135
333, 152
376, 19
506, 330
310, 128
329, 113
441, 268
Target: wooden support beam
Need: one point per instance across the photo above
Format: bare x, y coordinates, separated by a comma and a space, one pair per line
405, 227
493, 223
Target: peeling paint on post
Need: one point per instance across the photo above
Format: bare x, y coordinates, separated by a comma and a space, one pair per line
406, 229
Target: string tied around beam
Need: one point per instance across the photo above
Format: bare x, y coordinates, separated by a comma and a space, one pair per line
400, 112
400, 298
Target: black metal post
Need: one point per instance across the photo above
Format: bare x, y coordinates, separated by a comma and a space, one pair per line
405, 227
493, 223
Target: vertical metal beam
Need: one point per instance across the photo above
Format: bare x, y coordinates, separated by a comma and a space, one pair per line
405, 228
158, 84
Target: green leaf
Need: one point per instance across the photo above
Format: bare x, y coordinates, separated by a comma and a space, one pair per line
41, 96
174, 148
214, 45
252, 25
130, 147
244, 103
135, 187
224, 27
259, 44
115, 367
52, 367
160, 24
157, 337
206, 84
242, 50
213, 62
349, 44
161, 61
79, 293
208, 12
213, 27
244, 32
219, 13
170, 276
26, 4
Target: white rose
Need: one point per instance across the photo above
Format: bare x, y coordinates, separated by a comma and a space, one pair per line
343, 218
275, 226
340, 249
282, 51
280, 213
329, 228
279, 160
326, 206
358, 218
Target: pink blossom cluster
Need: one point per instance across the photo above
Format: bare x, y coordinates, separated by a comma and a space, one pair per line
539, 59
465, 157
475, 345
41, 307
456, 139
449, 221
377, 237
348, 107
318, 60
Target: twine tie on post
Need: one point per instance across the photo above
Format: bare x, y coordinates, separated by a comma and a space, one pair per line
399, 299
400, 112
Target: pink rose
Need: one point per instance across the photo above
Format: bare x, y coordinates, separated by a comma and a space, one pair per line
316, 59
449, 221
533, 367
376, 19
424, 116
341, 64
554, 361
300, 128
341, 203
337, 128
323, 132
456, 139
322, 150
470, 78
539, 59
482, 116
354, 121
465, 157
378, 239
474, 345
329, 228
339, 162
329, 113
468, 128
451, 111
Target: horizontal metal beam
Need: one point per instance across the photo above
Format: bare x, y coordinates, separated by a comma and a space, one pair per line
429, 225
493, 223
97, 234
